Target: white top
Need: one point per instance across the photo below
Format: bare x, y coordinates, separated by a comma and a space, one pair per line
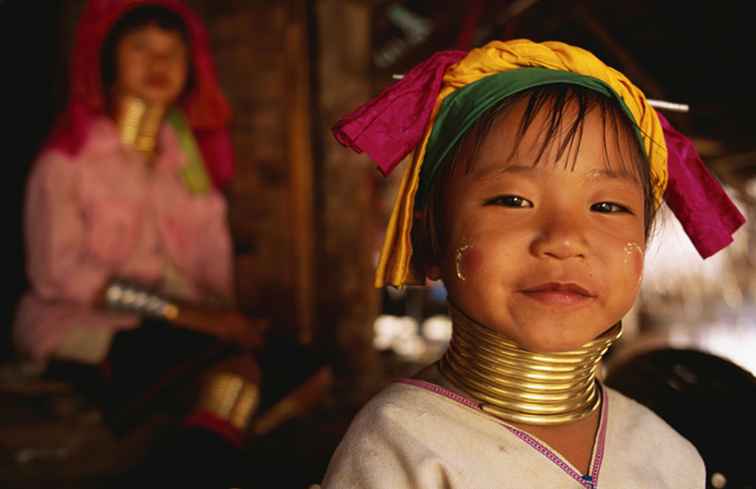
418, 435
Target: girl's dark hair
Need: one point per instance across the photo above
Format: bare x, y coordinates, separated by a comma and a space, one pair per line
133, 20
562, 127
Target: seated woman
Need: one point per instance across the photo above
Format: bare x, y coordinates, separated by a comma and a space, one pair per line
129, 188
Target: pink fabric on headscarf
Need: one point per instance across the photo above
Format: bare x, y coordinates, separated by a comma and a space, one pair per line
205, 106
390, 126
697, 199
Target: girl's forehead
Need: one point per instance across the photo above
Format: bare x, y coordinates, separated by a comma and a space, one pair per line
595, 143
153, 29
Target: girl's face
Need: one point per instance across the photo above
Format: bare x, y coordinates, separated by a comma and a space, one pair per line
151, 65
547, 252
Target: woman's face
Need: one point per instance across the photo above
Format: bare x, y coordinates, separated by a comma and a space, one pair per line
152, 65
549, 254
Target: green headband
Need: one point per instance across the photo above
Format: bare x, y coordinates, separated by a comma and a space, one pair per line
462, 109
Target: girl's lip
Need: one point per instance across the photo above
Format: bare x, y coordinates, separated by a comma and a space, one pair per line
157, 81
556, 293
565, 287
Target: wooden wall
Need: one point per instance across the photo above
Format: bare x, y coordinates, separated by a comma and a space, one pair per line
301, 206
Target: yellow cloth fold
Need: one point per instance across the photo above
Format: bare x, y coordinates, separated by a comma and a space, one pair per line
495, 57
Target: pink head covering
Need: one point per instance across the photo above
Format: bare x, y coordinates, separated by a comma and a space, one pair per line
205, 106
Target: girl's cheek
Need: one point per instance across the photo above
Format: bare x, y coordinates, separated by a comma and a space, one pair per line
633, 259
468, 260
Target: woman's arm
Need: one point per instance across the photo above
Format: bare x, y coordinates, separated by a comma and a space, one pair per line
58, 263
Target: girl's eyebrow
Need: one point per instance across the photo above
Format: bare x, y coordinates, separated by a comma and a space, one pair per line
608, 174
504, 169
602, 174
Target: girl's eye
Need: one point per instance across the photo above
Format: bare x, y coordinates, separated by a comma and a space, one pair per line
609, 208
509, 201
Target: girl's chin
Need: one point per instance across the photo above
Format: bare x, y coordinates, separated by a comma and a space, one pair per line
155, 96
544, 335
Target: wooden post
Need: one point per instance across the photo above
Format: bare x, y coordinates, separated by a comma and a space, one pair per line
301, 198
347, 229
258, 47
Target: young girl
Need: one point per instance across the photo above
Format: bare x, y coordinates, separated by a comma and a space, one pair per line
129, 187
537, 170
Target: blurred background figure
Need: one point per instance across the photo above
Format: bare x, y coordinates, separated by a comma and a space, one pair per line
129, 254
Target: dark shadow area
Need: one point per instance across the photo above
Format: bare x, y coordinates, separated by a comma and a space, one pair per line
707, 399
33, 91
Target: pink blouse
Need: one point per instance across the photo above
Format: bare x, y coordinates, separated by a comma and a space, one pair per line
106, 214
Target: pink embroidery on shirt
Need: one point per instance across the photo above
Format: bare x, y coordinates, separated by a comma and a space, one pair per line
601, 441
441, 391
589, 482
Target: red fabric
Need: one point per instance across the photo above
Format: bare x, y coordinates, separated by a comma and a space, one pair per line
697, 199
219, 426
390, 126
205, 106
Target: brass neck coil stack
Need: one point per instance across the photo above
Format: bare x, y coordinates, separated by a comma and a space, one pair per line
519, 386
139, 124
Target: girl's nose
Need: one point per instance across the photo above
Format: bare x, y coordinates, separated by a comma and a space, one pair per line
163, 57
560, 237
159, 58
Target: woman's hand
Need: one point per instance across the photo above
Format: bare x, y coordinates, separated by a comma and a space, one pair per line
227, 324
224, 322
